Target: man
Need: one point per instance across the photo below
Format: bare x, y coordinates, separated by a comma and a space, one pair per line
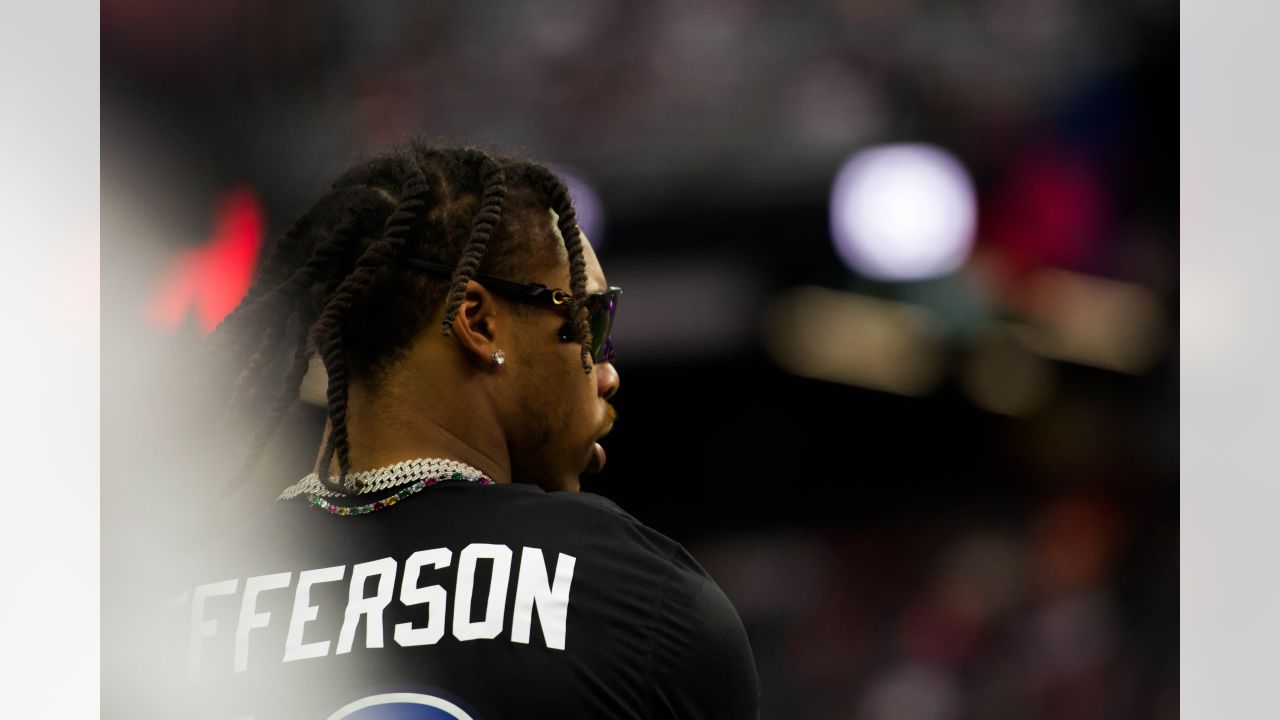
441, 562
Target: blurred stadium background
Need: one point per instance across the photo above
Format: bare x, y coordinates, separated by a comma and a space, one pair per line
897, 342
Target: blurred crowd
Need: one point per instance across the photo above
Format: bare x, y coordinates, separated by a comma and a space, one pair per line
1067, 609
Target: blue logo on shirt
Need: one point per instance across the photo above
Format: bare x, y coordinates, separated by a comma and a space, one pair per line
402, 706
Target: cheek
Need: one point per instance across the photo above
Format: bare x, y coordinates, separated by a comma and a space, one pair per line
542, 428
572, 410
554, 401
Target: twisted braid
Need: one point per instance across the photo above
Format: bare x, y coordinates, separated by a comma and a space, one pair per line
282, 254
284, 401
327, 333
490, 213
261, 360
567, 222
325, 261
239, 333
328, 291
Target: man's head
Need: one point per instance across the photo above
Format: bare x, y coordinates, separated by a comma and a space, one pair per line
398, 271
553, 412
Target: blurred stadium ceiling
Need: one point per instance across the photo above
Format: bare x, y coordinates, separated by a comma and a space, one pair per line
732, 101
710, 136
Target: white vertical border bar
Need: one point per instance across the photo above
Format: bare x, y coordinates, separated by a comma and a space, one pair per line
1230, 356
49, 327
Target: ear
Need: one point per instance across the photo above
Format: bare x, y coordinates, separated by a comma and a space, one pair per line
479, 322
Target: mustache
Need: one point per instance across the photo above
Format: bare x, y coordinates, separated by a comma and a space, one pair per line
610, 417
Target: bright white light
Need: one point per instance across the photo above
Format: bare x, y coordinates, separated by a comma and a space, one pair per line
903, 212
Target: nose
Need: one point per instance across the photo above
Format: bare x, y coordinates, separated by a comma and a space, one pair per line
607, 380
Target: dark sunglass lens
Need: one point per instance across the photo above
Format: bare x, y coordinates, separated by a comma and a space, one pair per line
599, 329
601, 320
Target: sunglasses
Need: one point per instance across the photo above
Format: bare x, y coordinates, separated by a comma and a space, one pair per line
601, 306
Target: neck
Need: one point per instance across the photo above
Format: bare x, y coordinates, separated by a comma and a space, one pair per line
381, 433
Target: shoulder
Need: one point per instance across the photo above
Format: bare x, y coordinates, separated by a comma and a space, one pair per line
700, 661
597, 507
681, 568
592, 517
585, 504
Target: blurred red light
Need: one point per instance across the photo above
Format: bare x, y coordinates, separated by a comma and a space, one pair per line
215, 276
1051, 211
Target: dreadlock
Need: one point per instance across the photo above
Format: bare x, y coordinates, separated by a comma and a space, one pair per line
326, 333
567, 223
331, 287
495, 191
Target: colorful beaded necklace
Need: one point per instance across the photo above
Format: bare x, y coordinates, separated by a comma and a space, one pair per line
418, 474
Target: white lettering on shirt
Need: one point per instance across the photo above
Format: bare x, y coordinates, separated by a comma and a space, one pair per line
537, 590
552, 600
434, 596
201, 628
464, 628
250, 618
370, 607
304, 612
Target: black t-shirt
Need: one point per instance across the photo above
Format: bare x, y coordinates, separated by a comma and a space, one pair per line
462, 601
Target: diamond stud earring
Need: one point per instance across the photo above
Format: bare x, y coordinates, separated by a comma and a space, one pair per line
498, 357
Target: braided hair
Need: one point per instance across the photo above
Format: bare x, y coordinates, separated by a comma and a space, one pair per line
331, 288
